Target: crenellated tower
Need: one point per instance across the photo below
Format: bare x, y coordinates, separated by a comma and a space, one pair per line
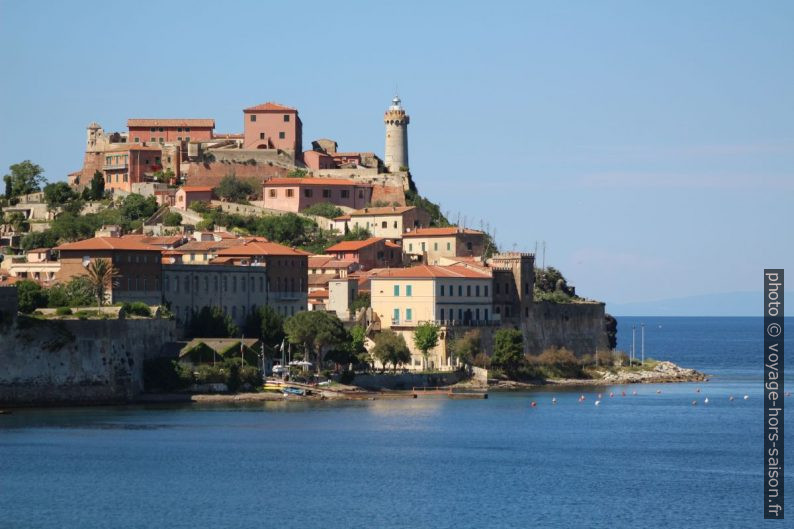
396, 121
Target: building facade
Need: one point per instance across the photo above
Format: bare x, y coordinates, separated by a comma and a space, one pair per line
375, 252
429, 245
138, 266
287, 272
297, 194
388, 222
237, 289
186, 195
169, 130
273, 126
125, 165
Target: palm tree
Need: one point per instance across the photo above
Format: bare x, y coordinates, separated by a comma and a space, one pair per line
102, 276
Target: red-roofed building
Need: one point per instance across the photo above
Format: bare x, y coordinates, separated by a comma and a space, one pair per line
186, 195
287, 272
374, 252
430, 245
126, 164
297, 194
273, 126
169, 130
138, 265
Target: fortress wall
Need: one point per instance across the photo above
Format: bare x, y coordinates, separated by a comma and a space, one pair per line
71, 361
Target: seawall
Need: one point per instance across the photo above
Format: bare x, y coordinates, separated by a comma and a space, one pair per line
579, 327
78, 361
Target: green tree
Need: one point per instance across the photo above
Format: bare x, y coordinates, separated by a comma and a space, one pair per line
17, 220
97, 186
172, 218
59, 194
467, 347
78, 292
41, 239
357, 346
317, 331
266, 323
425, 339
363, 300
357, 233
102, 276
233, 189
508, 349
23, 178
31, 296
211, 322
137, 207
323, 209
390, 348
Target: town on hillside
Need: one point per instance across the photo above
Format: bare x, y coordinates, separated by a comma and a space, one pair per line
225, 233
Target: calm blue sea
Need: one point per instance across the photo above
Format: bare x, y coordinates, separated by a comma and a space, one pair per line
644, 461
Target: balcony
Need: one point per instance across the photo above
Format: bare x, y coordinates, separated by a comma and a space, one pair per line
114, 165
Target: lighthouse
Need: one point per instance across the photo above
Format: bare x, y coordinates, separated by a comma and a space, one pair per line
396, 121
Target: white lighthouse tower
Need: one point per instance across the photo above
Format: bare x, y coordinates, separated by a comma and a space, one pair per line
396, 121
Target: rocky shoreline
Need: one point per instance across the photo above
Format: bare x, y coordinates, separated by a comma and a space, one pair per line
662, 373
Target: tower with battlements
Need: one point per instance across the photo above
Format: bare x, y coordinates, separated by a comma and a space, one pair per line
396, 121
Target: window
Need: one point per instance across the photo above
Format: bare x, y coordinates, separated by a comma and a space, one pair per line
395, 315
281, 135
408, 290
162, 140
410, 247
468, 290
167, 283
187, 129
408, 314
526, 288
137, 139
206, 284
477, 314
344, 193
477, 290
272, 193
187, 138
307, 193
179, 138
495, 288
216, 283
179, 129
526, 312
396, 290
449, 246
360, 194
286, 118
395, 223
468, 246
234, 311
460, 314
326, 193
383, 224
261, 135
486, 291
161, 129
187, 284
440, 290
486, 314
253, 118
423, 247
441, 314
195, 284
290, 192
460, 290
234, 283
435, 246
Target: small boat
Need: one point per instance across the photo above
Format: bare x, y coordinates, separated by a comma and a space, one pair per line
289, 390
694, 403
730, 398
706, 400
746, 397
597, 403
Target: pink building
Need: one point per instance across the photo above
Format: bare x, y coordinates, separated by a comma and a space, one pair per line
374, 252
297, 194
273, 126
130, 164
318, 160
186, 195
169, 130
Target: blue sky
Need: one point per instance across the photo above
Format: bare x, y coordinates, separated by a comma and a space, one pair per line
649, 144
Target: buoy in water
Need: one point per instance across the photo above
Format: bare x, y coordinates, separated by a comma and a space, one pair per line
599, 396
554, 400
611, 394
706, 400
787, 393
597, 403
658, 391
634, 392
730, 398
697, 390
694, 403
622, 393
746, 397
533, 403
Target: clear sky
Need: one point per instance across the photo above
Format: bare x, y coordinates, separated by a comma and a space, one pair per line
648, 143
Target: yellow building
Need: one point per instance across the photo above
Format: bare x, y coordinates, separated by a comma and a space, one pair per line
403, 298
429, 245
386, 222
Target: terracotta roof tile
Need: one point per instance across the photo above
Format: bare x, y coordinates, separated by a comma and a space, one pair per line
155, 122
439, 232
108, 243
430, 272
196, 188
388, 210
353, 246
313, 182
257, 248
270, 106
